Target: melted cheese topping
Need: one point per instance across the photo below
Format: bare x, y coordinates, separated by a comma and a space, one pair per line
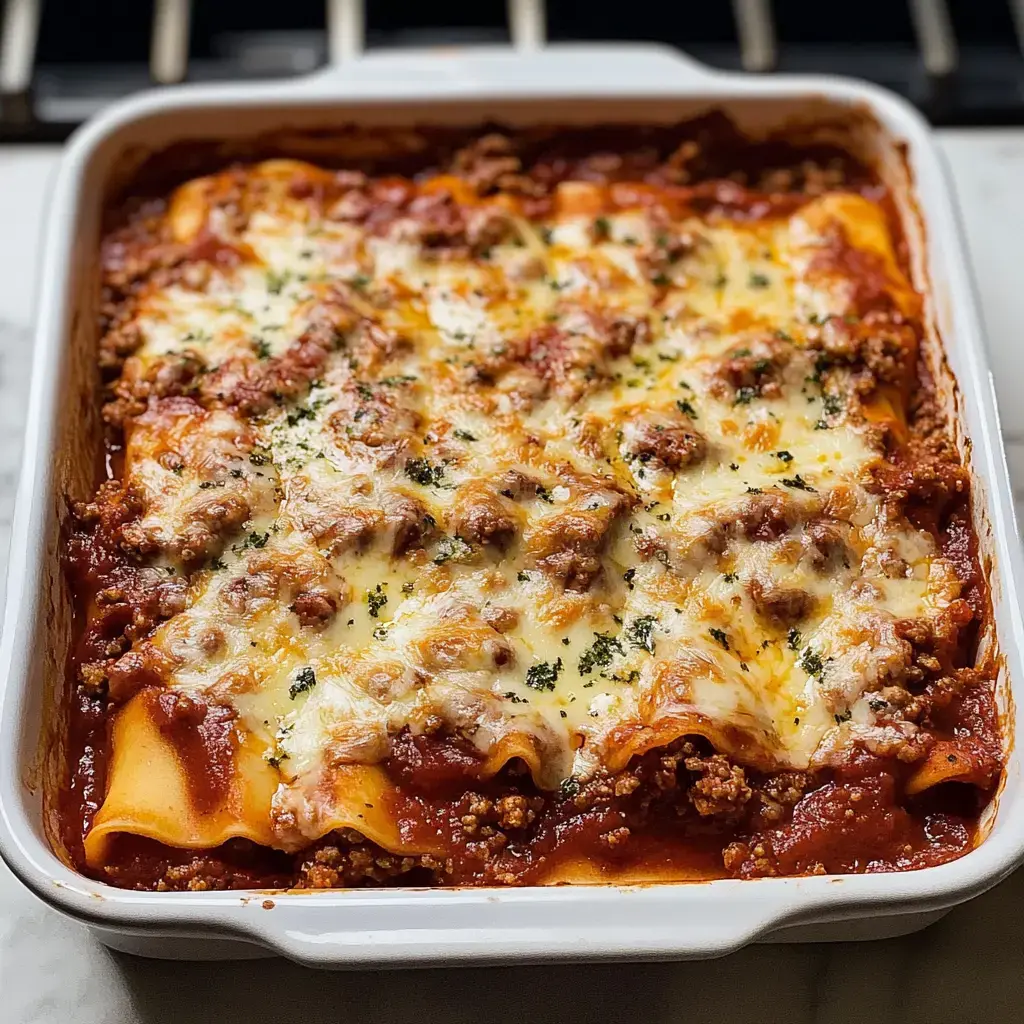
513, 524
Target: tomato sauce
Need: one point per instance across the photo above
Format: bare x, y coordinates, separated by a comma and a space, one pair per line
645, 821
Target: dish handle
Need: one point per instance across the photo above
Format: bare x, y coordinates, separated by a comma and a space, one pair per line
431, 927
503, 70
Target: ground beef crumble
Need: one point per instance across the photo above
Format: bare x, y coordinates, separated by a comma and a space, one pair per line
491, 835
345, 859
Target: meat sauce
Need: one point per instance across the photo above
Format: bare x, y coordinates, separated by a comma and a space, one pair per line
679, 812
852, 820
203, 738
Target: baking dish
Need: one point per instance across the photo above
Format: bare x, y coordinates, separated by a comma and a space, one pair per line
418, 927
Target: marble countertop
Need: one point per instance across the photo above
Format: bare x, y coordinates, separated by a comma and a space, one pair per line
968, 967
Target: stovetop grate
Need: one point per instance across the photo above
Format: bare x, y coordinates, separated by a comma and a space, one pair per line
960, 61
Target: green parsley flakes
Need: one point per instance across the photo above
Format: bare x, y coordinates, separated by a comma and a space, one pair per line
543, 675
305, 679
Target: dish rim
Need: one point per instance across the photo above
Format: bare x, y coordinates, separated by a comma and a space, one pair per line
609, 921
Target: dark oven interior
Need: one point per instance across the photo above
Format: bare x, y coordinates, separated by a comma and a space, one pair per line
960, 61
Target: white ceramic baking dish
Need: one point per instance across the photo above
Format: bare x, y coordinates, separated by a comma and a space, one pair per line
422, 926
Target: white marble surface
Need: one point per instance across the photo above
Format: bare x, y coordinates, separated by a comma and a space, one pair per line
966, 968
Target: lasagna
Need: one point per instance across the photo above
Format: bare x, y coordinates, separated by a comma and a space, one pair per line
503, 508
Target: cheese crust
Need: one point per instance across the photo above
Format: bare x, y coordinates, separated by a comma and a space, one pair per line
555, 473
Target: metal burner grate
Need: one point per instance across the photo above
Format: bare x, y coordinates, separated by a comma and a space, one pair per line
960, 61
